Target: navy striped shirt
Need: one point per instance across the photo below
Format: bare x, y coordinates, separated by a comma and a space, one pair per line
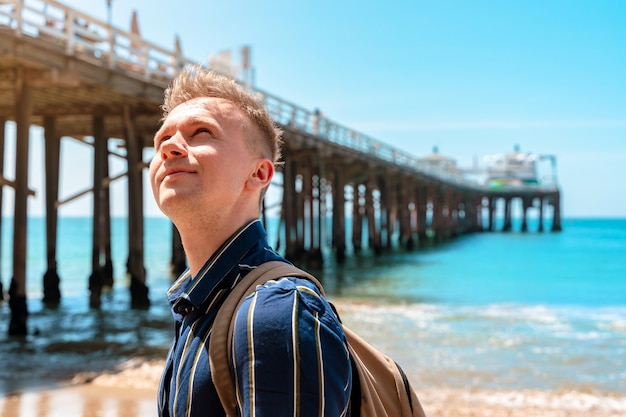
289, 353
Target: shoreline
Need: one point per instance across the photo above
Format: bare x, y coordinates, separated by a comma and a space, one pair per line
130, 390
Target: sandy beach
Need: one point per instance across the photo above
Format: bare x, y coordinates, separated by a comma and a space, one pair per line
130, 391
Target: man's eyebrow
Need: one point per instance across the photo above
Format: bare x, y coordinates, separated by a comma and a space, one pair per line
200, 120
192, 121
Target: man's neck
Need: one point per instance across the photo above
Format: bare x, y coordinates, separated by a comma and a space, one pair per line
201, 241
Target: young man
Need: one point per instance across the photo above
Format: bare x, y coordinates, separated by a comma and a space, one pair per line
214, 159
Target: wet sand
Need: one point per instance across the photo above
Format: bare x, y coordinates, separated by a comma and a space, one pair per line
130, 391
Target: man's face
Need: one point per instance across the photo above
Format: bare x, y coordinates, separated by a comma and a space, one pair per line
201, 160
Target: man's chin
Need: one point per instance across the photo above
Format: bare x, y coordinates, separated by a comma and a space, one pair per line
172, 202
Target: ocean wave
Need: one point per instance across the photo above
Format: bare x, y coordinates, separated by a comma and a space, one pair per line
444, 401
497, 346
574, 321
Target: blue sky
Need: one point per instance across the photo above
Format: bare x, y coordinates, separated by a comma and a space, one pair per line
471, 77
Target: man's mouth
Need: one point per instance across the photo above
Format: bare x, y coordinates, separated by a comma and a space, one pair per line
173, 173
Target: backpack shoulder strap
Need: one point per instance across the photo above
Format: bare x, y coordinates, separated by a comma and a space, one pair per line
221, 332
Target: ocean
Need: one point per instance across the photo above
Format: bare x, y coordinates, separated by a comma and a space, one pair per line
509, 313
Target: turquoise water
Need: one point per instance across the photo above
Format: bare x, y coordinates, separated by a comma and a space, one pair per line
513, 311
583, 266
502, 311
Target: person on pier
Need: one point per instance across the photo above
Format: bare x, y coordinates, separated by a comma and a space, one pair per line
215, 155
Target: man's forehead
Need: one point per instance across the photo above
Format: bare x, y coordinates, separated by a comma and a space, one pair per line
207, 102
197, 109
213, 105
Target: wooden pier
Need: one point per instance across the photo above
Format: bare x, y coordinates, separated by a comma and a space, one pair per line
82, 79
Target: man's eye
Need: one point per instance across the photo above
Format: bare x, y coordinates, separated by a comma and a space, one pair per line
159, 141
203, 130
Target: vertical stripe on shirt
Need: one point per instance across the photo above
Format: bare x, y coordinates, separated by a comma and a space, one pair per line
251, 354
320, 362
318, 348
296, 355
238, 393
202, 348
188, 341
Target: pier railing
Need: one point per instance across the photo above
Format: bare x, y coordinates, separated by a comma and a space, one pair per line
91, 39
94, 40
324, 129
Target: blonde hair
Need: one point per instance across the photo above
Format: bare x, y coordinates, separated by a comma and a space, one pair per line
196, 81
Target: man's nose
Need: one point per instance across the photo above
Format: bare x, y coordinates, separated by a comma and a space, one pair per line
173, 147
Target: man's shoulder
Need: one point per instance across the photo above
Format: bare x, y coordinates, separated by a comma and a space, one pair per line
283, 276
292, 284
283, 294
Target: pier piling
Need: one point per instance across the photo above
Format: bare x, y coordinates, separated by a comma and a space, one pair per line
17, 289
51, 280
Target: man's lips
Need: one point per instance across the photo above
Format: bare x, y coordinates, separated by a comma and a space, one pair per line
175, 172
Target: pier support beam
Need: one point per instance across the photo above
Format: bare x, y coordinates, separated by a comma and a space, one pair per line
178, 263
358, 198
289, 206
436, 201
448, 208
136, 267
51, 280
478, 214
526, 204
387, 203
107, 268
404, 215
322, 200
307, 212
301, 199
421, 211
2, 138
339, 215
556, 222
492, 213
100, 210
469, 222
373, 232
17, 290
390, 204
507, 215
540, 213
305, 206
314, 207
486, 205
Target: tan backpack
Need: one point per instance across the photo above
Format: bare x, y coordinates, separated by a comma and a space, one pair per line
382, 386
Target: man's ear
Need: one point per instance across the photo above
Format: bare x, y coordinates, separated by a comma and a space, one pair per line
262, 175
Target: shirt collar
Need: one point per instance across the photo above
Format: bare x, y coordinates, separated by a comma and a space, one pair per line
189, 293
